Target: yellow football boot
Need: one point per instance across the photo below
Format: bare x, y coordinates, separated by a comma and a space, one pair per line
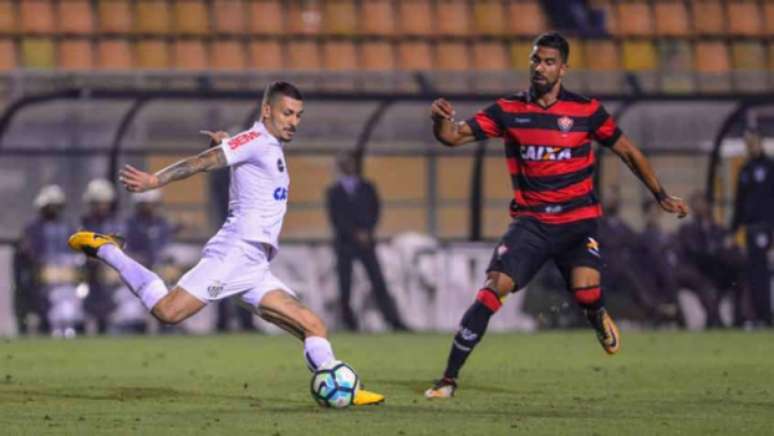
367, 398
89, 242
607, 332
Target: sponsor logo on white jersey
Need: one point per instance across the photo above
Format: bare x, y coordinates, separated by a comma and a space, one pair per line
280, 194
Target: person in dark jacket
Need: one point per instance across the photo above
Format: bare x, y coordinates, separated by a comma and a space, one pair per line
628, 273
657, 261
709, 248
353, 208
754, 210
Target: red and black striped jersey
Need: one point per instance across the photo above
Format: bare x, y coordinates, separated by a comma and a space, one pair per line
549, 154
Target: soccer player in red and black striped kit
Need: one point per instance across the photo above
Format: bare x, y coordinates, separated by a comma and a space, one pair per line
547, 132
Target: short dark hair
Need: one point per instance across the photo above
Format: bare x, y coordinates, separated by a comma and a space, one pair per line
554, 40
281, 88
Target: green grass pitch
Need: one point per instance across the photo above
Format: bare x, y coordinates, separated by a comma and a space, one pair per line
543, 384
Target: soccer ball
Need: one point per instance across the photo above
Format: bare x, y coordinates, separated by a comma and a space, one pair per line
334, 384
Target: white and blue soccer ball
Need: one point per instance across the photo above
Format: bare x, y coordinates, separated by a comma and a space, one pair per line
334, 384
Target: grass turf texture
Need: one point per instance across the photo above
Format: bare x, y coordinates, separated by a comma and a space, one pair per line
549, 383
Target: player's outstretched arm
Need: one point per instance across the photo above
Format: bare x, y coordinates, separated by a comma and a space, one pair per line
446, 130
139, 181
640, 166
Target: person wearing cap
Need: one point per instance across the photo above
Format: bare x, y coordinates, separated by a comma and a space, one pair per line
754, 211
101, 215
47, 271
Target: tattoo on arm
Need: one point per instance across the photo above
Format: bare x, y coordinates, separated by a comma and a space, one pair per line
207, 160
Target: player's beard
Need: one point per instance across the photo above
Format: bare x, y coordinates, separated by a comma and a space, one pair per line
540, 89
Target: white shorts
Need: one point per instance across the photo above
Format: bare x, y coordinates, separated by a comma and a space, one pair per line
238, 268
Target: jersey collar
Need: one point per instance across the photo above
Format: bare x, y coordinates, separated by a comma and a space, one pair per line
532, 98
259, 126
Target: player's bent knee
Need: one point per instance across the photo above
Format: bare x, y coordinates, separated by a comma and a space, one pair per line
500, 283
168, 313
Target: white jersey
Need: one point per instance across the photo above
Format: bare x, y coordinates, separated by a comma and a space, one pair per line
258, 194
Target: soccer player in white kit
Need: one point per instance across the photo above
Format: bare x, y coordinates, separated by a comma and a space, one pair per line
235, 261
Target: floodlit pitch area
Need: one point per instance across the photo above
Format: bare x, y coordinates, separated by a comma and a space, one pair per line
548, 383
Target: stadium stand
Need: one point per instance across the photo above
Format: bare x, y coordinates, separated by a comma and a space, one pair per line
658, 42
114, 54
671, 18
114, 17
669, 46
265, 18
75, 54
189, 54
708, 18
75, 17
768, 18
228, 17
377, 18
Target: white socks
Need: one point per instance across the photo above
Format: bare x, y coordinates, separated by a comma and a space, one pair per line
143, 282
317, 351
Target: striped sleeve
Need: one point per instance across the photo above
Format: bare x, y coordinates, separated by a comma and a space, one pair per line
487, 123
603, 128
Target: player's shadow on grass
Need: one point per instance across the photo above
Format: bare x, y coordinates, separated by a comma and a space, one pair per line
156, 394
419, 386
121, 393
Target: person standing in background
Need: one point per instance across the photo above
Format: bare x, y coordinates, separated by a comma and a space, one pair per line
100, 198
52, 270
707, 247
754, 209
353, 208
147, 235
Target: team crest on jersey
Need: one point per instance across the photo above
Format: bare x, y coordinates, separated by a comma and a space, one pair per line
215, 288
542, 152
565, 123
242, 139
280, 165
593, 246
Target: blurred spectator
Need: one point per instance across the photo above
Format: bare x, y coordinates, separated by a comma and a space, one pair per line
575, 16
619, 244
147, 234
665, 264
50, 270
353, 208
754, 209
709, 248
100, 196
657, 260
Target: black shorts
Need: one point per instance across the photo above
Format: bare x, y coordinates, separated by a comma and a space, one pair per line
529, 244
